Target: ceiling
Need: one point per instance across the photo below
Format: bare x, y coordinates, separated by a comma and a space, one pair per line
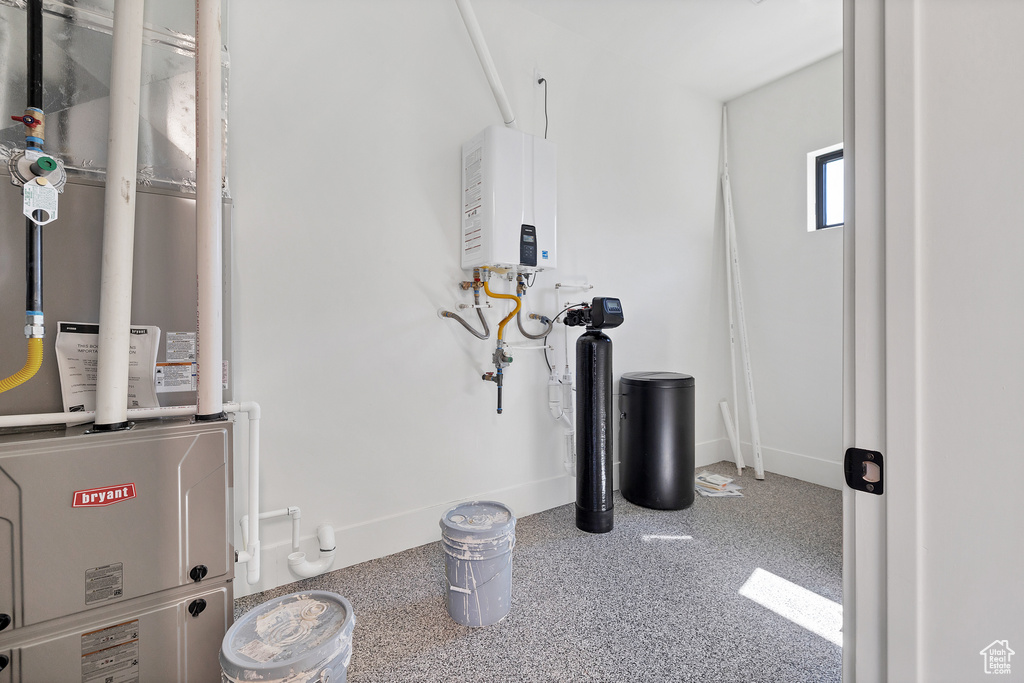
721, 48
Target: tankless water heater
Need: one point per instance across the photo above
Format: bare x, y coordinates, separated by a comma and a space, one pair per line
508, 201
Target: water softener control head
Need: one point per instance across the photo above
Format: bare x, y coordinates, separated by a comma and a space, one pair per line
603, 313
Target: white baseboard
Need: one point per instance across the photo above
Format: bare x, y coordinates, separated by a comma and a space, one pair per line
710, 452
384, 536
390, 534
798, 466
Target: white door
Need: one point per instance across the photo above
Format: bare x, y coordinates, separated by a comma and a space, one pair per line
934, 568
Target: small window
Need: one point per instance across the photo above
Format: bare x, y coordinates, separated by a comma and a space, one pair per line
825, 202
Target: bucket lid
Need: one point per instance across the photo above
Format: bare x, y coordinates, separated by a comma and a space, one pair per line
657, 379
478, 518
294, 633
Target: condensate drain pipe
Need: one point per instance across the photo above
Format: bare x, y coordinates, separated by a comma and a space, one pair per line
297, 561
251, 554
303, 568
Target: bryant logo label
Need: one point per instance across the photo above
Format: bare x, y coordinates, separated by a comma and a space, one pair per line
108, 495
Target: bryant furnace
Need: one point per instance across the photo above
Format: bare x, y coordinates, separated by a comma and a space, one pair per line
115, 555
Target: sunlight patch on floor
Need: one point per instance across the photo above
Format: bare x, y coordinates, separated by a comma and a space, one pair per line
801, 606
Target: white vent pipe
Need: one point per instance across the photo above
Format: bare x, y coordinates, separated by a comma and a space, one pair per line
209, 239
480, 45
119, 218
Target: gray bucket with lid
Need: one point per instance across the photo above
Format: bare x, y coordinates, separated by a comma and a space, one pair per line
303, 637
477, 538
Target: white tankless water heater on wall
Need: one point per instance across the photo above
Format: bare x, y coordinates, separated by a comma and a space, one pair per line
508, 201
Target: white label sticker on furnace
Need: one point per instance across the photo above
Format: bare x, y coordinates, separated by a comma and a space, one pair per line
181, 346
111, 655
175, 377
104, 583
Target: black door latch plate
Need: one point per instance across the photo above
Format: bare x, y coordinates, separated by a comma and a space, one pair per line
864, 470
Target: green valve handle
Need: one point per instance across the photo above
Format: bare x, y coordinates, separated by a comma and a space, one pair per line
46, 164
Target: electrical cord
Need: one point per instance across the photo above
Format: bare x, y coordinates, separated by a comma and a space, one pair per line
545, 82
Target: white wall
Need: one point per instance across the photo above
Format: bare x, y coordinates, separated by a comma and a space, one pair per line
954, 175
792, 278
346, 121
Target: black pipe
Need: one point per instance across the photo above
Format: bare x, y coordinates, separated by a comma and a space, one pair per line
33, 232
35, 53
594, 505
499, 376
33, 267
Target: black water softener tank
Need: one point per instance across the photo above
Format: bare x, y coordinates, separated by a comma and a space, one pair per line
656, 440
594, 505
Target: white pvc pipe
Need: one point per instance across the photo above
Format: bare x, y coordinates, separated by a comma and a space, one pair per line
303, 568
294, 512
741, 318
480, 45
119, 215
732, 423
209, 175
251, 556
81, 417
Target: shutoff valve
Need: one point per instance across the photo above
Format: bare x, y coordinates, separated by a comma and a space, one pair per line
41, 176
500, 358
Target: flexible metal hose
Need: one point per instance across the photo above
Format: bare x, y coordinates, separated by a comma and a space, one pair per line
479, 311
543, 334
32, 365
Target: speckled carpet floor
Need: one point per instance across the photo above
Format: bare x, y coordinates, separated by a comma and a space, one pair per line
635, 604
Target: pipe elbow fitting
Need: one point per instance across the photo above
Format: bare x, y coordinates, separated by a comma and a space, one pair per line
303, 568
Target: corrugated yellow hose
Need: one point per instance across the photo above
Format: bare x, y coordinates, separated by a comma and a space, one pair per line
510, 316
32, 365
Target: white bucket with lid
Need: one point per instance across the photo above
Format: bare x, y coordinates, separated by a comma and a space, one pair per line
478, 538
302, 637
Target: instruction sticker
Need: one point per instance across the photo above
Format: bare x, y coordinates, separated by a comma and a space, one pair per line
111, 655
175, 377
181, 346
104, 583
77, 347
